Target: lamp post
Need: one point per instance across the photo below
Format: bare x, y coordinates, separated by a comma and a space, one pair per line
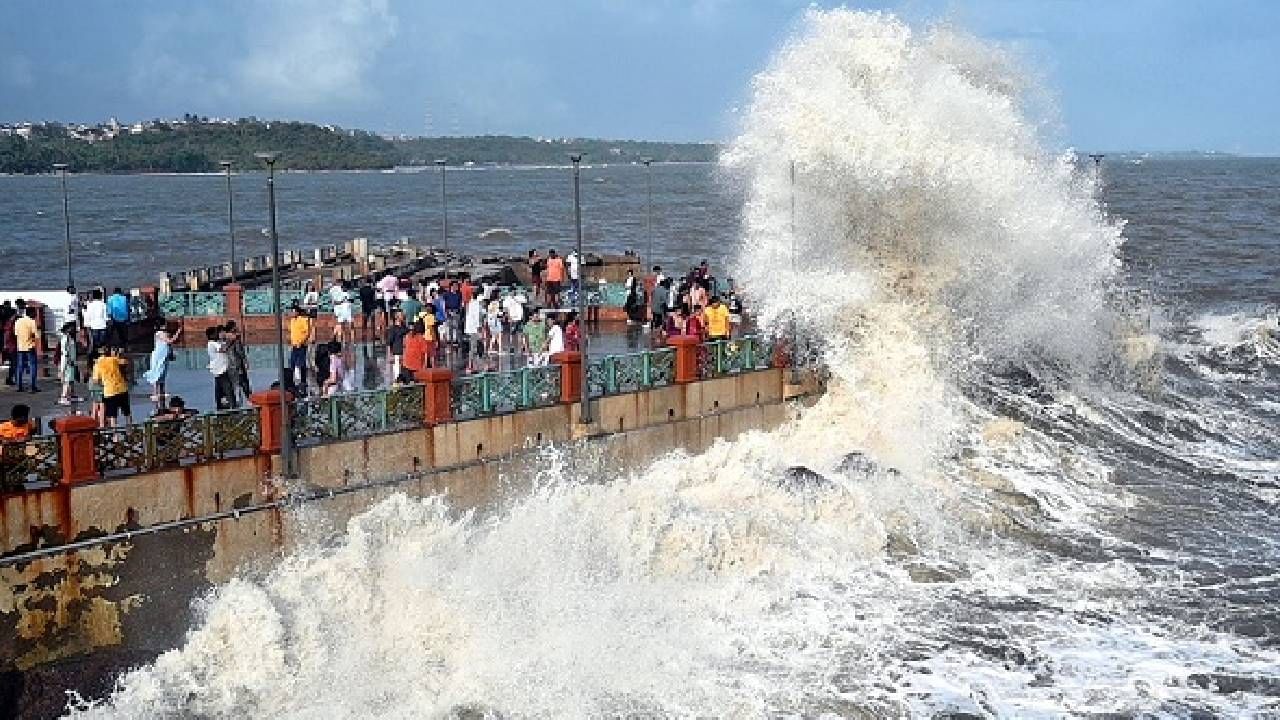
444, 206
648, 214
795, 318
576, 159
231, 218
286, 436
66, 218
1097, 166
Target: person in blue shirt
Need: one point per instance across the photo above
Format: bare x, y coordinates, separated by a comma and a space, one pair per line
118, 312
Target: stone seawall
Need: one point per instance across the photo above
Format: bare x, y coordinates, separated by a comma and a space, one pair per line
145, 546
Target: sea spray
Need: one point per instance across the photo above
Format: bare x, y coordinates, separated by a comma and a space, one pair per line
898, 549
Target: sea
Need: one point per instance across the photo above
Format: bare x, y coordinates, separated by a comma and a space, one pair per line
1043, 480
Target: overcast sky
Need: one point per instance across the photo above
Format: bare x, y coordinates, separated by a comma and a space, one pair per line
1128, 74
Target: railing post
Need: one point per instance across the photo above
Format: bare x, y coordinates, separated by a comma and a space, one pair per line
610, 375
748, 353
234, 304
570, 362
646, 368
270, 406
526, 393
437, 406
75, 447
686, 357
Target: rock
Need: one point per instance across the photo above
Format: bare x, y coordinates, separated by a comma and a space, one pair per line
801, 478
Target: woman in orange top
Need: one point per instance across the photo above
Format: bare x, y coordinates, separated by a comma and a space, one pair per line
417, 349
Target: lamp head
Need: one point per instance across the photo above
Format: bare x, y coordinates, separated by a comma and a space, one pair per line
441, 161
646, 160
226, 164
268, 157
59, 166
575, 157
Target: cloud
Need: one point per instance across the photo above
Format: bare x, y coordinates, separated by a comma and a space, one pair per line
315, 52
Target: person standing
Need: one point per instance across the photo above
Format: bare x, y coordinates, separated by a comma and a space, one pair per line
109, 371
555, 274
340, 295
471, 328
224, 394
417, 349
337, 369
368, 306
716, 320
658, 305
158, 372
96, 320
411, 307
395, 342
301, 335
555, 338
537, 266
10, 339
574, 265
535, 340
239, 358
388, 292
118, 312
68, 353
26, 334
71, 307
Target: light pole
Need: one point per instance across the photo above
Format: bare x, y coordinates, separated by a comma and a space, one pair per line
231, 218
66, 218
576, 159
444, 206
648, 215
795, 317
286, 436
1097, 166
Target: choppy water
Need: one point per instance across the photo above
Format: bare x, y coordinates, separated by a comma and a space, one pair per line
1001, 515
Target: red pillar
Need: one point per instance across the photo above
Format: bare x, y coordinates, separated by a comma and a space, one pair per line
270, 407
75, 445
570, 362
686, 357
438, 407
235, 304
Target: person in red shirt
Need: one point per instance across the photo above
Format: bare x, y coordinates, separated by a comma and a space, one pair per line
572, 333
466, 289
694, 325
417, 349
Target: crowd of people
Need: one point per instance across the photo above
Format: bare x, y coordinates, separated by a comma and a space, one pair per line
455, 323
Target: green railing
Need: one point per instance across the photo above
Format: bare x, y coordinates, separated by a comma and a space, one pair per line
615, 374
730, 357
322, 419
607, 295
494, 393
157, 444
34, 460
193, 304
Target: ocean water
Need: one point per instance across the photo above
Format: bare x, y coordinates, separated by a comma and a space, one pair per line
1048, 456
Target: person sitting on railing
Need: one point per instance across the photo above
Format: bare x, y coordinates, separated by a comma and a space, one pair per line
109, 370
716, 320
19, 426
176, 410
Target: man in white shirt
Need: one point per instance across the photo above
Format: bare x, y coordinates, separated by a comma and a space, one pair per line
514, 308
224, 394
95, 319
575, 273
555, 337
471, 328
71, 313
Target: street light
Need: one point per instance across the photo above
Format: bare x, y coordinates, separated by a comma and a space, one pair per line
576, 159
648, 221
444, 207
231, 218
286, 436
795, 318
66, 217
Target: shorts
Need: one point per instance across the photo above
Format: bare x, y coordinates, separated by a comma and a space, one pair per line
367, 308
342, 312
553, 287
117, 404
658, 320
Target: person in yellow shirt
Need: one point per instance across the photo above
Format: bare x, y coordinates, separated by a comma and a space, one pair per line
716, 318
28, 337
109, 370
301, 333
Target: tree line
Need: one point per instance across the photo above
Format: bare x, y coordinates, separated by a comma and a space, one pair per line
195, 147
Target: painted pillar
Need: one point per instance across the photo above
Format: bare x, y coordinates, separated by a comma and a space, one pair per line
270, 408
438, 407
570, 362
686, 357
75, 445
235, 304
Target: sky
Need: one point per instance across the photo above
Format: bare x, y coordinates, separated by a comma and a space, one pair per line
1126, 74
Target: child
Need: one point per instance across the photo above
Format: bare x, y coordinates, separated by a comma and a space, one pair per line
337, 369
67, 367
96, 409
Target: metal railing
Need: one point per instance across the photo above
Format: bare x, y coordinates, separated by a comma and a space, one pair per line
33, 460
193, 304
157, 444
